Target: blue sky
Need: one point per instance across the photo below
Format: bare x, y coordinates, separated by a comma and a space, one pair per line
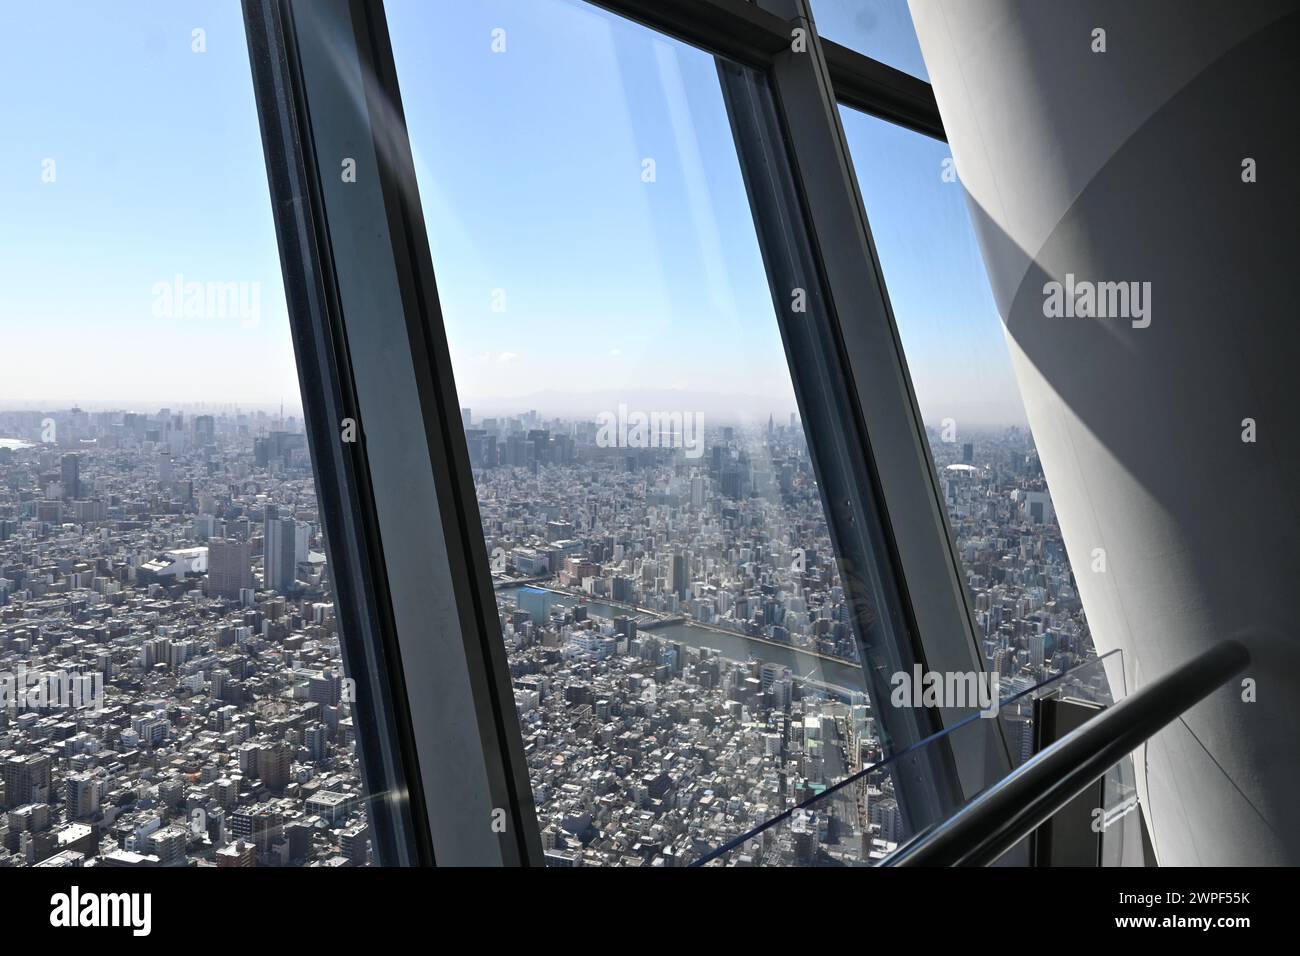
952, 335
158, 171
530, 166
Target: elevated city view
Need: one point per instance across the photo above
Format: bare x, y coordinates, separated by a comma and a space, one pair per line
173, 689
678, 642
683, 664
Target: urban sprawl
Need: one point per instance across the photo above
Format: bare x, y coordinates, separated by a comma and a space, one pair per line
684, 661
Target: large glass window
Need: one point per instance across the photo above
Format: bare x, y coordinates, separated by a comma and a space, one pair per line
880, 29
1028, 613
678, 638
170, 660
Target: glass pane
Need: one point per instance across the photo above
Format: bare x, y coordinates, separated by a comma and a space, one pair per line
676, 626
1027, 607
857, 822
880, 29
162, 569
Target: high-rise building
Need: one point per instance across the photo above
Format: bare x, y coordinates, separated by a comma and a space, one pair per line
280, 551
168, 844
536, 602
301, 541
81, 795
26, 779
273, 765
679, 582
886, 815
229, 568
699, 490
205, 429
354, 843
70, 477
316, 739
261, 825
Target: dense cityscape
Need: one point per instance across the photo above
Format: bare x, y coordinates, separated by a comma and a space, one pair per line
683, 662
176, 563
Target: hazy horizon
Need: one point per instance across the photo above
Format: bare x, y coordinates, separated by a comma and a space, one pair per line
573, 406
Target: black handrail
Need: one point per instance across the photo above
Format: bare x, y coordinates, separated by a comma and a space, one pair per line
1003, 815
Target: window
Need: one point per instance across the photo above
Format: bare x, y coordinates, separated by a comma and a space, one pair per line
679, 643
880, 29
1028, 614
632, 526
168, 637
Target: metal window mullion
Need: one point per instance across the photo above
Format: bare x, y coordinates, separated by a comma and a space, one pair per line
386, 751
450, 672
752, 34
881, 621
491, 686
928, 566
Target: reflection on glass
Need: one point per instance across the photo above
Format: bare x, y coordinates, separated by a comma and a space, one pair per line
169, 655
678, 641
1028, 614
856, 822
880, 29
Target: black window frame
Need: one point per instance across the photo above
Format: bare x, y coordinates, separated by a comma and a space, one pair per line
444, 778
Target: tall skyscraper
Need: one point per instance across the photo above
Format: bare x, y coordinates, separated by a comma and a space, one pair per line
537, 603
261, 825
679, 576
316, 739
273, 765
27, 779
229, 568
699, 491
205, 429
301, 541
71, 480
280, 551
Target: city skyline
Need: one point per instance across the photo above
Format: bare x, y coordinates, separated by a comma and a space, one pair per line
667, 401
193, 592
661, 610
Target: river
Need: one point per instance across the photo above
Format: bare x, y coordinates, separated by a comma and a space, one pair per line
736, 647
